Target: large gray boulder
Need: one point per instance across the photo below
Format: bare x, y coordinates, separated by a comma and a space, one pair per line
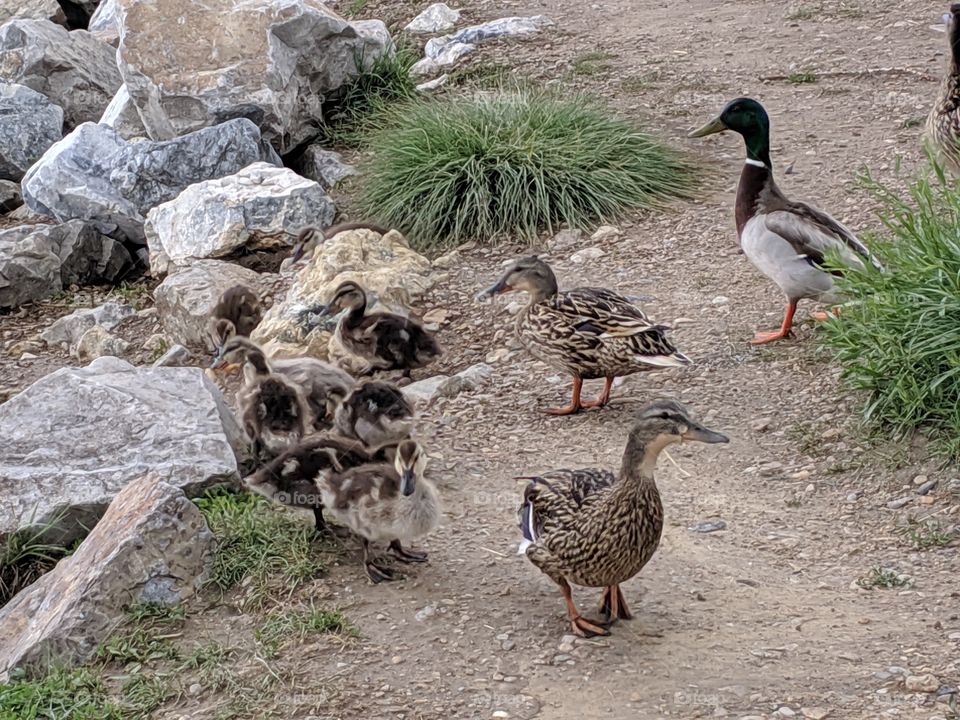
31, 124
74, 69
94, 174
327, 167
151, 546
37, 261
121, 114
262, 207
105, 22
273, 61
75, 438
186, 299
32, 10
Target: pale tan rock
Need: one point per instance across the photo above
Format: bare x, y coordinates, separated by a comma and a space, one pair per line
152, 545
384, 266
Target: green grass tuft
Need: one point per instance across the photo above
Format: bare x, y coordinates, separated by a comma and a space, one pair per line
283, 625
884, 578
25, 556
356, 109
59, 695
801, 78
898, 338
507, 165
256, 543
926, 534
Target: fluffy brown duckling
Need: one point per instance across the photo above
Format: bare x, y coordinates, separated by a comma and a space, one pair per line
383, 340
368, 425
593, 528
312, 237
588, 332
385, 502
272, 408
323, 384
238, 312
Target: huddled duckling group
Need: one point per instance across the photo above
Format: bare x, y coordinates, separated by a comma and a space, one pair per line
333, 444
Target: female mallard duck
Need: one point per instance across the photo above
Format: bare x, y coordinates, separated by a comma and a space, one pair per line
273, 409
385, 341
590, 527
238, 311
786, 240
324, 385
384, 502
943, 122
588, 332
368, 425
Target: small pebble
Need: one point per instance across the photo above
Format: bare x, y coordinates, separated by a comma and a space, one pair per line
709, 526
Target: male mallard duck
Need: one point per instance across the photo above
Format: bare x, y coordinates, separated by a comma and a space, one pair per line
943, 122
272, 408
310, 237
324, 385
238, 311
368, 426
588, 332
590, 527
786, 240
385, 341
384, 502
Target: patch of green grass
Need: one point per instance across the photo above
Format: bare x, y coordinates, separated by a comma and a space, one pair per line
281, 626
137, 645
355, 8
26, 555
925, 534
636, 84
884, 578
136, 294
803, 12
898, 337
357, 108
592, 63
257, 543
912, 123
143, 694
156, 613
483, 75
509, 165
801, 78
60, 694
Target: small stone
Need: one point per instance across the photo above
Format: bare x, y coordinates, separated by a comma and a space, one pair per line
396, 660
785, 712
586, 255
500, 714
565, 647
561, 658
177, 356
899, 503
437, 18
156, 342
926, 500
434, 84
921, 683
720, 300
708, 526
853, 497
437, 315
508, 645
926, 487
195, 689
920, 480
565, 239
815, 713
97, 342
605, 233
760, 425
428, 612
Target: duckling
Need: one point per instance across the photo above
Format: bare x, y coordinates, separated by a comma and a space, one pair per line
786, 240
587, 332
272, 408
311, 237
324, 385
368, 426
238, 312
593, 528
943, 122
385, 502
385, 341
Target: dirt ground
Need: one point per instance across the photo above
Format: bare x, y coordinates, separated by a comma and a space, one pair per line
763, 619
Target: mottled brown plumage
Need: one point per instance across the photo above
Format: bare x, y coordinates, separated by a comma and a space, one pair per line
588, 332
368, 425
591, 527
323, 384
943, 122
382, 340
384, 502
238, 312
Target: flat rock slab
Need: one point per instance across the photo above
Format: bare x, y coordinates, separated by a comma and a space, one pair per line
31, 124
75, 438
151, 546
